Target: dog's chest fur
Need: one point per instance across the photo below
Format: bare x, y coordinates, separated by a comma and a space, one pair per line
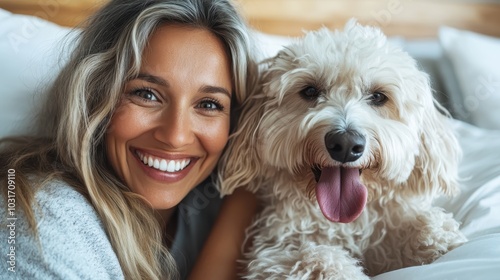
289, 210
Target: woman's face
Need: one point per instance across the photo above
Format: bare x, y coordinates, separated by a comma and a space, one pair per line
173, 121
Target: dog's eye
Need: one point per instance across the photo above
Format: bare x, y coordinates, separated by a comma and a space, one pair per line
378, 99
310, 93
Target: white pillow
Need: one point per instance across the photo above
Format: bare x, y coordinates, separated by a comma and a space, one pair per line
32, 51
475, 60
268, 45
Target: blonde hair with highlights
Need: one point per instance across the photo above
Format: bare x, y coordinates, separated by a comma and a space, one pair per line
70, 146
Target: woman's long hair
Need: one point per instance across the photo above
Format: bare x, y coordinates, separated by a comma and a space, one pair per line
80, 104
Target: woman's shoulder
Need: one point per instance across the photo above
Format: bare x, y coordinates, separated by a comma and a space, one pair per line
58, 198
71, 240
58, 204
63, 205
54, 200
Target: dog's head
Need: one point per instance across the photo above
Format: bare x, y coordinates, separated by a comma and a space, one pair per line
352, 114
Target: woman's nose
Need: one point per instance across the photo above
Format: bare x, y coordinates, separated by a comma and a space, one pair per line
175, 128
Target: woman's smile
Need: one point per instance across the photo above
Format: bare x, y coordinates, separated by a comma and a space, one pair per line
162, 164
164, 168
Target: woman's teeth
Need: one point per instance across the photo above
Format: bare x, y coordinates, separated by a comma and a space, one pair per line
163, 164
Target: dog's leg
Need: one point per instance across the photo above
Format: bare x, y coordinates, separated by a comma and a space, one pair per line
416, 237
430, 235
308, 261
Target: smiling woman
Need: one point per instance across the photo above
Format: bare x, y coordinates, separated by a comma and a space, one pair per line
173, 120
117, 183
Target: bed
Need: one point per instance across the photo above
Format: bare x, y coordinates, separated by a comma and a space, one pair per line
456, 42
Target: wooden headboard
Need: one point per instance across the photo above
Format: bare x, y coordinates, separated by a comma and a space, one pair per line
409, 18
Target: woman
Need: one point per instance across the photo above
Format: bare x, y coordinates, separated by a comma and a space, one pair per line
119, 184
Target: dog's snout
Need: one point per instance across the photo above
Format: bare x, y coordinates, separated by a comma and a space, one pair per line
345, 146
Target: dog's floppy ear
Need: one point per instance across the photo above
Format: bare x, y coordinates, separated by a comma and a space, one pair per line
436, 166
240, 164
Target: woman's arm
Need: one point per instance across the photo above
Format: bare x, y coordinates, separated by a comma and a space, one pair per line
223, 247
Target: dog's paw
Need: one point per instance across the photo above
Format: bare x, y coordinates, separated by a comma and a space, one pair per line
327, 262
308, 261
432, 235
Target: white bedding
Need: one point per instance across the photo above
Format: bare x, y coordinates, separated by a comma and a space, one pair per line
478, 206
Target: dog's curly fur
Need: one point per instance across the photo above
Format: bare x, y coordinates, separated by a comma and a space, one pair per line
350, 80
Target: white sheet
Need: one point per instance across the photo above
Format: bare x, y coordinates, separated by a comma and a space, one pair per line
477, 207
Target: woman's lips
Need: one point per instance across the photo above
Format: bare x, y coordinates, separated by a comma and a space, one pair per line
172, 165
162, 169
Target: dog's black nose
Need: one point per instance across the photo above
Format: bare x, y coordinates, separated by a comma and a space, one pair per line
345, 146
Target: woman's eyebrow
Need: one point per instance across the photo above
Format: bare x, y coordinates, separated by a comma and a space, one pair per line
153, 79
215, 89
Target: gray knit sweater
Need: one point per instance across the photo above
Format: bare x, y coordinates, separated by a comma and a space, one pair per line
73, 242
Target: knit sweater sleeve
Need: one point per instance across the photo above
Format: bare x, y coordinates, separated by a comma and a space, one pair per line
71, 243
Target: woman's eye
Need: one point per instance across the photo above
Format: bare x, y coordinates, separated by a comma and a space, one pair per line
211, 105
378, 99
145, 94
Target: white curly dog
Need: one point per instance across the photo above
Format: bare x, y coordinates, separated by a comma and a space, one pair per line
347, 148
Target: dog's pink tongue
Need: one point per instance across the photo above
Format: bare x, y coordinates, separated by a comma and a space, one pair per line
340, 194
